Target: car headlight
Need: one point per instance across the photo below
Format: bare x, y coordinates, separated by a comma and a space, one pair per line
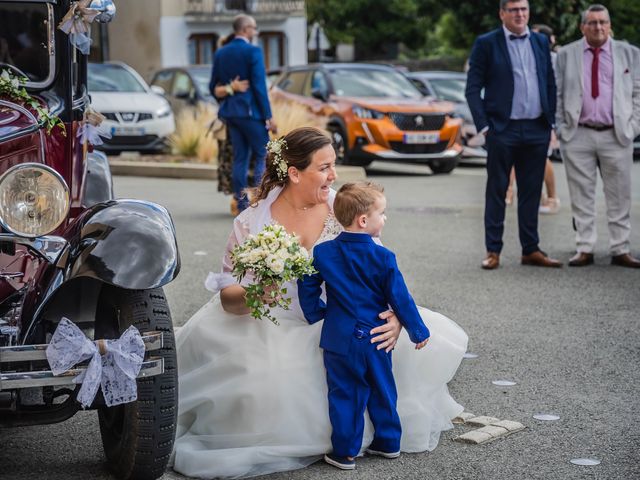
367, 113
164, 112
34, 200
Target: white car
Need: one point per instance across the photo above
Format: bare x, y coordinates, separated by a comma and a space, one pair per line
137, 117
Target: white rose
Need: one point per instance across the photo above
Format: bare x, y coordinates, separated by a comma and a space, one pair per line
275, 264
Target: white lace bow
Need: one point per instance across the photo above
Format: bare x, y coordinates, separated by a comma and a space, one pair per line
114, 369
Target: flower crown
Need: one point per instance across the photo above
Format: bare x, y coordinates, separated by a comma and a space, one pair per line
275, 147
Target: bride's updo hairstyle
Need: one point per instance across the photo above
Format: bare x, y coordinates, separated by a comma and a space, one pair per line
298, 147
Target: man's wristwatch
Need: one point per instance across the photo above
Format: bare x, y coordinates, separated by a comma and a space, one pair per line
229, 88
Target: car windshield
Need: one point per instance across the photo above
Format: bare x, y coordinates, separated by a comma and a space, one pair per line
112, 78
201, 77
361, 82
24, 40
450, 89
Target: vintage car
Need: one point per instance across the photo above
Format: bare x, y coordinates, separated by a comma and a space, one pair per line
375, 113
68, 249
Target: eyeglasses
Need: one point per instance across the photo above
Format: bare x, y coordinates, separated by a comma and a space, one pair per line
595, 23
516, 10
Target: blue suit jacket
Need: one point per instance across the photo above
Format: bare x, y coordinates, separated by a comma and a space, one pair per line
362, 279
239, 58
490, 68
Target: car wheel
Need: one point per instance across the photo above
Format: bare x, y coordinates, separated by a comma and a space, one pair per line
340, 144
138, 437
443, 166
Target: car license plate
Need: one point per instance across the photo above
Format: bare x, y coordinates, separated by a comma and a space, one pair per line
127, 131
413, 138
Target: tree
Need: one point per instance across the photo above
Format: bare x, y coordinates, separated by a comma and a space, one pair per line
432, 27
373, 25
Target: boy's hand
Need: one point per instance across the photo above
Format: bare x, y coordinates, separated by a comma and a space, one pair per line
422, 344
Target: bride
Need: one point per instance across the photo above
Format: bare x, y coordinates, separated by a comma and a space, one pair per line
253, 395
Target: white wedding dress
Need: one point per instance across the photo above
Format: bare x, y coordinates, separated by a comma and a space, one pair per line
253, 395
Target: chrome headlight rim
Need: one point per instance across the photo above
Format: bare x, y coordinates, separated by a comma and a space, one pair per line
57, 176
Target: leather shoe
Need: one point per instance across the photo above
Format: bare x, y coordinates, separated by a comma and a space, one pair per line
540, 259
625, 260
491, 262
581, 259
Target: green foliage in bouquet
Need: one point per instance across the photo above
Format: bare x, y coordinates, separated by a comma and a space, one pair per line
274, 257
13, 88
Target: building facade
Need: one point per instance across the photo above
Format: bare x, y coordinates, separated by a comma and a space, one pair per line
153, 34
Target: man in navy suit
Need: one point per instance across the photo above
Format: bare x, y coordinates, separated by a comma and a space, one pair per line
513, 66
247, 114
362, 279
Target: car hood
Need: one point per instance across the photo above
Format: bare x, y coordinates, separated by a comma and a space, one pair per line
127, 102
387, 105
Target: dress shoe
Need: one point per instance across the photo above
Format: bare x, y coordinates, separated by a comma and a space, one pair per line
492, 261
540, 259
581, 259
625, 260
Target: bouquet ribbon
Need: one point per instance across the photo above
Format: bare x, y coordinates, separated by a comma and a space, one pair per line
114, 364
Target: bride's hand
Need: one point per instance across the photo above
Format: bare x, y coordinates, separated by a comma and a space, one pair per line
387, 334
268, 298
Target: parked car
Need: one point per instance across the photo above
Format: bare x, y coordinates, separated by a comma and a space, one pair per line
450, 86
138, 118
375, 113
69, 249
184, 86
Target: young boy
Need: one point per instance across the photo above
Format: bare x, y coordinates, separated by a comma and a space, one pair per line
362, 279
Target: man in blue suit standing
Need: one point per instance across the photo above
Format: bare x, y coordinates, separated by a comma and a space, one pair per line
247, 114
513, 66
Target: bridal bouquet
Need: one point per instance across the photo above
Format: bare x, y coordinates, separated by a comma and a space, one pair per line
274, 257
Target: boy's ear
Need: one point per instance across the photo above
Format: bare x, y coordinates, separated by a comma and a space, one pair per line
362, 221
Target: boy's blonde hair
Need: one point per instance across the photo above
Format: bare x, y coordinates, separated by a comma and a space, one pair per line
355, 198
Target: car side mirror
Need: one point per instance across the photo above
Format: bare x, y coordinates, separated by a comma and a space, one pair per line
319, 94
158, 90
106, 8
183, 95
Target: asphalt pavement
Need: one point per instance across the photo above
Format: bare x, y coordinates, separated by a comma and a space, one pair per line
567, 337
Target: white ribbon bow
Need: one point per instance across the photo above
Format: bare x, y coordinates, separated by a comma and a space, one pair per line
91, 130
114, 364
76, 24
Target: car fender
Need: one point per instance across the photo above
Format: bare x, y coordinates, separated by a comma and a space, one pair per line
98, 184
127, 243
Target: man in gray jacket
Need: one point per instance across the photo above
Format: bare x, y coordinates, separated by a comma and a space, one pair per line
597, 118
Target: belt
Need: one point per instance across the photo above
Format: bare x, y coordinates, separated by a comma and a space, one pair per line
597, 128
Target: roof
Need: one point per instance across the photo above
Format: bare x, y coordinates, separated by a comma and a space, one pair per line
339, 66
432, 74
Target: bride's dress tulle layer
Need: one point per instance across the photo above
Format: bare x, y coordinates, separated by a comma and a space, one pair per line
253, 394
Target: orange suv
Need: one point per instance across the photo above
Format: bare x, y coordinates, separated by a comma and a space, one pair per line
375, 113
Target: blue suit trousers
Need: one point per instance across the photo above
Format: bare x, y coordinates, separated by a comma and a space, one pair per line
361, 380
522, 145
249, 138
